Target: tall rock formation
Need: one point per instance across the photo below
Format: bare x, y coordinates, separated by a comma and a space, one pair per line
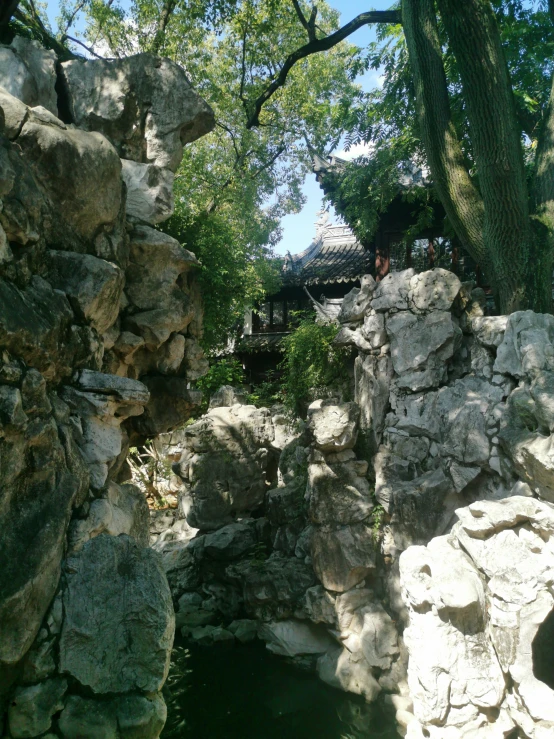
99, 317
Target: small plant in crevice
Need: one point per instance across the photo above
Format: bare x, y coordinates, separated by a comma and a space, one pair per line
377, 521
222, 372
150, 472
259, 554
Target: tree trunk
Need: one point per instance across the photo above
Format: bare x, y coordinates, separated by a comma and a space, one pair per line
459, 196
496, 142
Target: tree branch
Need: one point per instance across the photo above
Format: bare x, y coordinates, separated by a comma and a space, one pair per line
165, 15
314, 47
309, 25
7, 9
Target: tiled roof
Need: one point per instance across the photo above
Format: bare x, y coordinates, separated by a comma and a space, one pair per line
260, 343
334, 256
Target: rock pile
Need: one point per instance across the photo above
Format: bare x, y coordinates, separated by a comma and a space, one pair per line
100, 318
451, 420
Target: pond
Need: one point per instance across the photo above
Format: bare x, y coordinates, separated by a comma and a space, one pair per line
245, 692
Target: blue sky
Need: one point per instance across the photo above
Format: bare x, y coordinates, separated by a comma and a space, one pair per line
299, 229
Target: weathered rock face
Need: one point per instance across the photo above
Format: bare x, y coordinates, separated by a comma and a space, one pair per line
90, 304
479, 639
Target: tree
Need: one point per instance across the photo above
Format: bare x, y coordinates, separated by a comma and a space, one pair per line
234, 185
504, 219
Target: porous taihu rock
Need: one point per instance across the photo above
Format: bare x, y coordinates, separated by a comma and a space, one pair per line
147, 107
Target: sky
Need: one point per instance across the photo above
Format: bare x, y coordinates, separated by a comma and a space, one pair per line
299, 229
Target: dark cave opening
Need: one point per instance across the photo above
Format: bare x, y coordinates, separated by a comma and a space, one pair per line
543, 651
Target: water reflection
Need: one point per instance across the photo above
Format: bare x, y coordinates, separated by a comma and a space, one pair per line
244, 692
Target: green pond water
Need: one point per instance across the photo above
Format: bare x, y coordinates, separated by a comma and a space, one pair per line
244, 692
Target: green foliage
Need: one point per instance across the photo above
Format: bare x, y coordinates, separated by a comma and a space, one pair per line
386, 119
268, 393
312, 365
377, 521
237, 265
221, 372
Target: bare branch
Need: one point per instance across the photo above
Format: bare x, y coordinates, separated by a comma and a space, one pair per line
88, 48
165, 15
309, 25
73, 15
314, 47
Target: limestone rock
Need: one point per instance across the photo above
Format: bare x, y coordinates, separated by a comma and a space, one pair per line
477, 617
156, 263
145, 105
338, 494
83, 717
333, 425
31, 708
343, 557
149, 191
272, 588
489, 330
291, 638
392, 291
93, 286
434, 290
28, 72
226, 396
230, 542
339, 669
357, 301
244, 629
421, 346
80, 174
15, 112
33, 324
527, 347
140, 717
374, 330
42, 477
122, 510
114, 583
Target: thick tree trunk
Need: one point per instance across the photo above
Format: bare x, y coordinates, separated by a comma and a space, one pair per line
459, 196
496, 139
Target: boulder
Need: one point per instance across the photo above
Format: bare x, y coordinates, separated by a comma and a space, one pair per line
121, 510
338, 494
28, 72
149, 191
479, 609
118, 590
80, 175
31, 708
15, 112
43, 476
84, 717
421, 346
291, 637
93, 286
171, 403
489, 330
244, 629
230, 542
333, 425
392, 292
357, 301
226, 396
527, 346
156, 263
272, 588
343, 557
374, 331
434, 290
339, 669
144, 105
